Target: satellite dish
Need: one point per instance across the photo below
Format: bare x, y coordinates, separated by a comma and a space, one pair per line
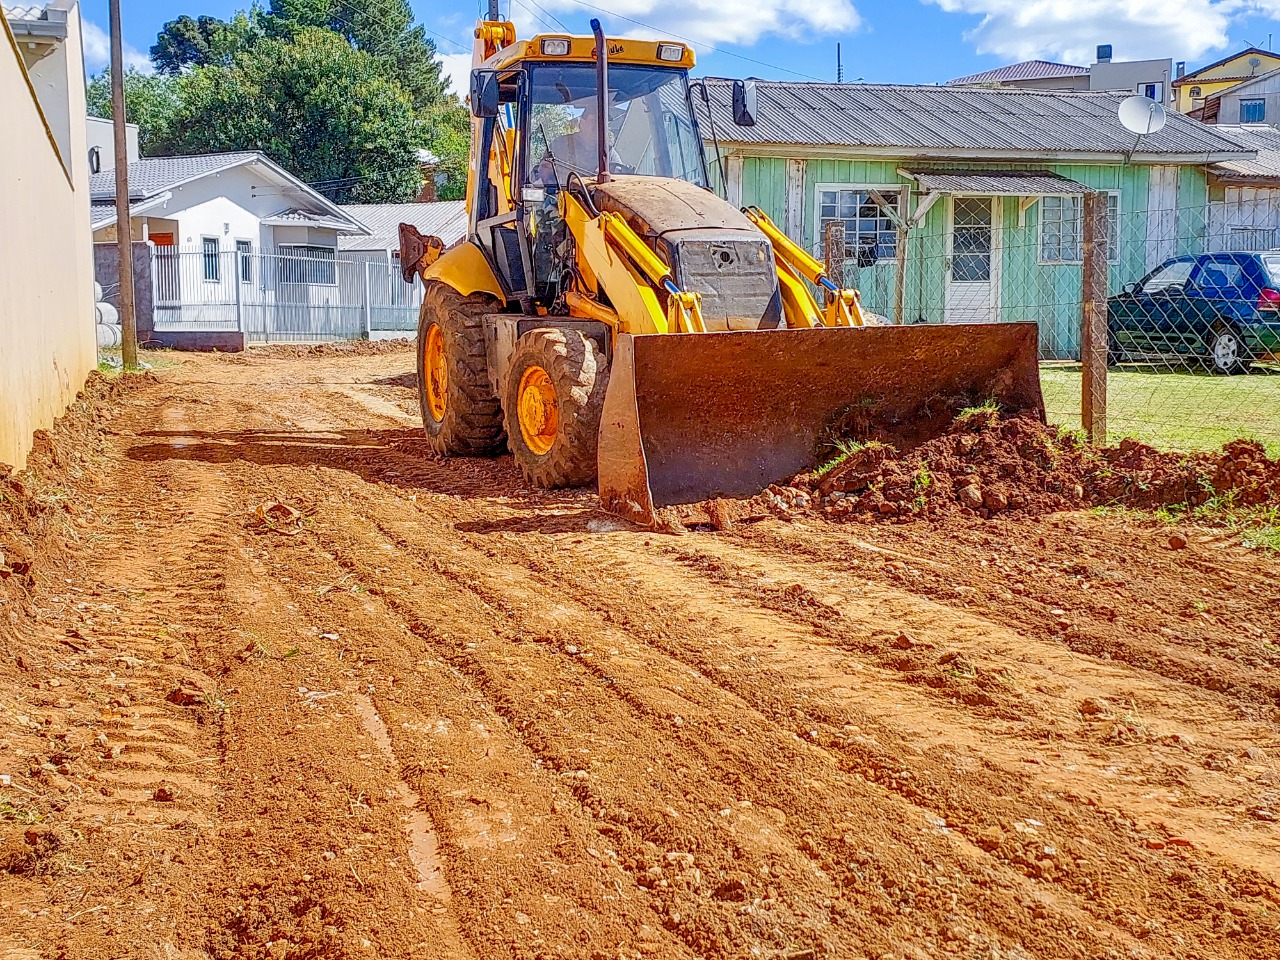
1142, 115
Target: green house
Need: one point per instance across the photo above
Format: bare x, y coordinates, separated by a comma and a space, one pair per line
964, 204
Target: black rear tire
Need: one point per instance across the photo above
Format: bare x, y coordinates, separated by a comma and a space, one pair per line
466, 416
558, 451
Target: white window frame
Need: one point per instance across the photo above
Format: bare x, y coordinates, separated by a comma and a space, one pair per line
881, 188
284, 247
244, 258
1113, 238
204, 259
1253, 100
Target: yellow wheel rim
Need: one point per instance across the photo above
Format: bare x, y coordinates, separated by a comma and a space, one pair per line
539, 410
435, 371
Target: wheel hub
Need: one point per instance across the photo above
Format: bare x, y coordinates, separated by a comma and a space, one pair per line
435, 371
539, 410
1226, 351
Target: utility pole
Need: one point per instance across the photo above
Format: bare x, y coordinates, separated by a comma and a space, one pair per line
839, 66
124, 228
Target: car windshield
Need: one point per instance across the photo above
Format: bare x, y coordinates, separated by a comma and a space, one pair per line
1272, 265
651, 127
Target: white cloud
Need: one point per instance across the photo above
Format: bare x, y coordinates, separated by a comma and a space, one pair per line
715, 22
97, 51
457, 68
1071, 29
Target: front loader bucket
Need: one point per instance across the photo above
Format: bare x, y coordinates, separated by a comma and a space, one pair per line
695, 416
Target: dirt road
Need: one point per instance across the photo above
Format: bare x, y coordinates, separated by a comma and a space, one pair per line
437, 715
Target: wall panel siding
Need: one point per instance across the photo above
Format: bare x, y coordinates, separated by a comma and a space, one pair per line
47, 341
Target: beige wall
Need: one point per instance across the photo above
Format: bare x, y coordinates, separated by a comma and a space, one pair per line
47, 342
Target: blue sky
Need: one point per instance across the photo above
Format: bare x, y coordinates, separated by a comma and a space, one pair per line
903, 41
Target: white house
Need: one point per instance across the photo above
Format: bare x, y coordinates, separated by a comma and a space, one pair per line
240, 249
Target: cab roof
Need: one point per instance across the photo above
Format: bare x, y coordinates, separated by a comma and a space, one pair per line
583, 49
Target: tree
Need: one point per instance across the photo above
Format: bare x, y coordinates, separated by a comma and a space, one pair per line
323, 109
447, 134
150, 101
185, 43
383, 28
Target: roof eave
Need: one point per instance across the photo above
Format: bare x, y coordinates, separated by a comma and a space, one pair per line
796, 150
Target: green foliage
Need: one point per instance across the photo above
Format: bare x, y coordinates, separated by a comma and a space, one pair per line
321, 108
846, 448
447, 130
150, 101
922, 480
205, 41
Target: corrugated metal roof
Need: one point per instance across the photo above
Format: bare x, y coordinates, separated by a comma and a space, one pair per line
938, 122
1265, 166
152, 175
1027, 70
446, 219
989, 183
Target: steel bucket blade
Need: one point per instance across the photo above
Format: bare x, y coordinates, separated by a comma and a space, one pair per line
691, 417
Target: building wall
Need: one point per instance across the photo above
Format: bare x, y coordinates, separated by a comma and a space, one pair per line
1029, 289
47, 342
1220, 78
1129, 75
101, 134
1267, 90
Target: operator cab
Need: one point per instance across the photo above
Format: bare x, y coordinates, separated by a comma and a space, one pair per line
545, 125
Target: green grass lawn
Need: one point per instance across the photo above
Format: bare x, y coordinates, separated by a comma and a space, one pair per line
1173, 411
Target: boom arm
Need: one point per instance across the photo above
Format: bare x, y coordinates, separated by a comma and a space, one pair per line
623, 266
844, 306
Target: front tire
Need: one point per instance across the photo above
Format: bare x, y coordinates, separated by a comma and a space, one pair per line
460, 412
1227, 353
553, 402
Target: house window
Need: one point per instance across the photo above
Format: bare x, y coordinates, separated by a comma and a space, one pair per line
211, 265
307, 264
1062, 229
869, 233
1253, 111
1195, 93
244, 258
1152, 91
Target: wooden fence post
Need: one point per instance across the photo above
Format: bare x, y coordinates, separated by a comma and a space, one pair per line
1093, 333
833, 251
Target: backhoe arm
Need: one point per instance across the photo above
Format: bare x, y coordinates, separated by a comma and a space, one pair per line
844, 306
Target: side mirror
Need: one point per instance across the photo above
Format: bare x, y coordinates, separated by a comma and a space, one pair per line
745, 103
484, 93
1131, 288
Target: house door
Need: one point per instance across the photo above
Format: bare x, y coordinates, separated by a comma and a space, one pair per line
972, 282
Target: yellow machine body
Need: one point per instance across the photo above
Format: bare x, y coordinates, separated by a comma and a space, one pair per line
731, 355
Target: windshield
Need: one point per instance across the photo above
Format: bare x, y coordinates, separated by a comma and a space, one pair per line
651, 128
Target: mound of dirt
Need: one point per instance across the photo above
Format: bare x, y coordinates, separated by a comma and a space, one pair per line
986, 466
35, 510
337, 348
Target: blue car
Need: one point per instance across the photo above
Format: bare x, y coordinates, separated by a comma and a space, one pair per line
1220, 311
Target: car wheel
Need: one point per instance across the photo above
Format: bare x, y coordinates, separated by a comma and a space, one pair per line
1227, 352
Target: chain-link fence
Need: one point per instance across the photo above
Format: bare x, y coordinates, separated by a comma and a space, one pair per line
1184, 300
285, 294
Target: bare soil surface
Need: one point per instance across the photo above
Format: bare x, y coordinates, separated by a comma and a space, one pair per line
276, 683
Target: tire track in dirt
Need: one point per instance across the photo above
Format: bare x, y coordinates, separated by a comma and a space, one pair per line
506, 682
1093, 624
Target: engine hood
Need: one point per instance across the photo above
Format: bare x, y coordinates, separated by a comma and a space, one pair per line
713, 249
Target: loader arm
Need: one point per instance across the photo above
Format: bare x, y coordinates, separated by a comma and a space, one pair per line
794, 263
629, 273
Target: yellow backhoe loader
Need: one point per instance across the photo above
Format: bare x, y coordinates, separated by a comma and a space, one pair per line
609, 318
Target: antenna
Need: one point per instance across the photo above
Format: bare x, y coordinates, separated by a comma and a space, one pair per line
839, 65
1141, 116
